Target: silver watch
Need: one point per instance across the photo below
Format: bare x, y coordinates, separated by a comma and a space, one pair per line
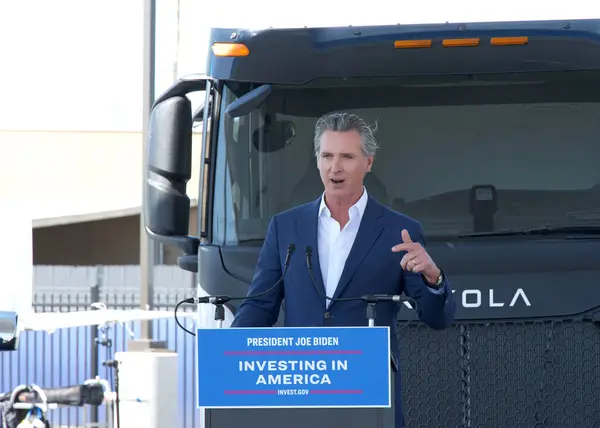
440, 280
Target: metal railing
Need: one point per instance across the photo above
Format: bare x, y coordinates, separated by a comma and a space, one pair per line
73, 355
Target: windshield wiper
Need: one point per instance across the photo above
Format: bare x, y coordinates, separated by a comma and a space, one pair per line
549, 230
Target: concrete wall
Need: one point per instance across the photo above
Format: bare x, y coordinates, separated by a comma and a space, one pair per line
105, 242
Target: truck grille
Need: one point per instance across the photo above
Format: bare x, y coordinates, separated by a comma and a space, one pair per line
505, 374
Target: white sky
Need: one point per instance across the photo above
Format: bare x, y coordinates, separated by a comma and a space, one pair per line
77, 64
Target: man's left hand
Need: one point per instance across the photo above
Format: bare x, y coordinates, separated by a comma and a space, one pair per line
416, 259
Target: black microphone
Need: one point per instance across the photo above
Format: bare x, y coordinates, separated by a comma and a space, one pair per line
290, 250
370, 299
221, 299
376, 298
308, 254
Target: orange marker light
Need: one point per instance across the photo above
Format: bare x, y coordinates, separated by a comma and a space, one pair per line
508, 41
230, 49
450, 43
411, 44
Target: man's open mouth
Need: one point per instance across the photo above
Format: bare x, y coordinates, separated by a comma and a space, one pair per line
336, 181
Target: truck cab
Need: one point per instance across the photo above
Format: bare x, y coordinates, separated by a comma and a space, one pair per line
488, 136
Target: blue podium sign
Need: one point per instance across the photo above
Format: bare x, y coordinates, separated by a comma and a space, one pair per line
293, 367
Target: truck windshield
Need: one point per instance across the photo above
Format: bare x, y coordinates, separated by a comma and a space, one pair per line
460, 155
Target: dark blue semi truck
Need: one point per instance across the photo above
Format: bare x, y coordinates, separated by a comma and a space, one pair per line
489, 135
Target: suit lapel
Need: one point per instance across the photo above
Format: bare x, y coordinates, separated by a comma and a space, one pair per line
308, 226
369, 231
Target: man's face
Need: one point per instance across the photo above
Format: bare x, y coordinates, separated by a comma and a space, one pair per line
342, 163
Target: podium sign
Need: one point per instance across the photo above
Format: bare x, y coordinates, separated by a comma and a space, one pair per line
293, 367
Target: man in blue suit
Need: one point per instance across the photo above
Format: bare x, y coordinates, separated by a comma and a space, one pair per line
359, 247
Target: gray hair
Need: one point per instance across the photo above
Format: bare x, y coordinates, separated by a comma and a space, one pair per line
346, 122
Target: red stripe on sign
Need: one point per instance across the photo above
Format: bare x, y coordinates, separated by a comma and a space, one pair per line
314, 352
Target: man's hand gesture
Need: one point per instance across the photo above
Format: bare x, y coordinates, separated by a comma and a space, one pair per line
416, 259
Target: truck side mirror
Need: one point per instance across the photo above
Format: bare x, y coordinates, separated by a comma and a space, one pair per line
169, 158
9, 334
168, 163
168, 168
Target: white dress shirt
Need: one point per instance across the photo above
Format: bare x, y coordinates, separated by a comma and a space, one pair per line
335, 244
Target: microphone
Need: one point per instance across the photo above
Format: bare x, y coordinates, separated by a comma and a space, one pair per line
224, 299
308, 254
376, 298
220, 300
370, 299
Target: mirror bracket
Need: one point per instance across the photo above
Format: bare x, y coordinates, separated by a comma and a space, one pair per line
188, 262
187, 244
185, 85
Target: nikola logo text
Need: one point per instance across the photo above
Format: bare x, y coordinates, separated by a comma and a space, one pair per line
477, 298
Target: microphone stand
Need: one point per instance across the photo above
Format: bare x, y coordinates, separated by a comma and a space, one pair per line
218, 301
371, 309
371, 313
219, 314
373, 299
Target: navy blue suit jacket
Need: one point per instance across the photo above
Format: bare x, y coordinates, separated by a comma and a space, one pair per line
371, 267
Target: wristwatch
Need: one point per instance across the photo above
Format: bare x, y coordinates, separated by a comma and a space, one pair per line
438, 283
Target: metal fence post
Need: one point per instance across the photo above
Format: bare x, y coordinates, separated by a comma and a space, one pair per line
94, 360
